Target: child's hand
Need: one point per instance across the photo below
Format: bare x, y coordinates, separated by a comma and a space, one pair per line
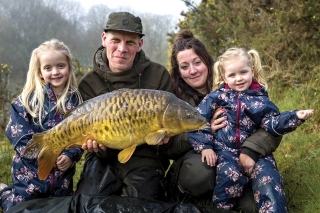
63, 162
305, 114
210, 156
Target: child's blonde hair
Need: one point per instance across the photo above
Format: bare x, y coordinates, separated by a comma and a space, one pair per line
253, 60
35, 84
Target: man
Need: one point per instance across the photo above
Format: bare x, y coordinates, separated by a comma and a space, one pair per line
121, 63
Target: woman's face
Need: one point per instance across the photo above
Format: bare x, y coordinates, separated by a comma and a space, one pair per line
193, 71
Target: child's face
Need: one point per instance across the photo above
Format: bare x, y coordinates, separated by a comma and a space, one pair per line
238, 75
54, 69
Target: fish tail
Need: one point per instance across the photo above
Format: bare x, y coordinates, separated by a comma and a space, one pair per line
34, 146
39, 146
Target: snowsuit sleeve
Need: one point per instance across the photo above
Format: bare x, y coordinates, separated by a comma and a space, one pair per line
19, 130
203, 139
277, 123
74, 154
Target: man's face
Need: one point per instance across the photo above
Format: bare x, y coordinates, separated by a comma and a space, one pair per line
121, 48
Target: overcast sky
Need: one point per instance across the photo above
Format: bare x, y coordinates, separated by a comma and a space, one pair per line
161, 7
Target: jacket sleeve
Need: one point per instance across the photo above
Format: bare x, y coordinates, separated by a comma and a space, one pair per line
261, 142
203, 139
280, 124
19, 130
178, 145
107, 154
74, 154
273, 125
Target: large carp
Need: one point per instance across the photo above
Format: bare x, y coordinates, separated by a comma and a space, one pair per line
122, 119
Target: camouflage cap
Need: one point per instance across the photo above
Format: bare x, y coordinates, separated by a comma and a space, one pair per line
124, 21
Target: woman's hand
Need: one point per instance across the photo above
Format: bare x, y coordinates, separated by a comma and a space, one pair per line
247, 164
210, 156
218, 123
93, 146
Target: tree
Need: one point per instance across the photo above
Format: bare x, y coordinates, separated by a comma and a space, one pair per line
93, 23
156, 28
25, 25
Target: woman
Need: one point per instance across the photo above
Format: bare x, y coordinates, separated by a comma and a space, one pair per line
190, 176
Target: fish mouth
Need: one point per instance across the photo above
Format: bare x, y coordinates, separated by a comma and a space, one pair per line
202, 126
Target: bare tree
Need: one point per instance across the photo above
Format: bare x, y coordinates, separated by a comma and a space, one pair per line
156, 28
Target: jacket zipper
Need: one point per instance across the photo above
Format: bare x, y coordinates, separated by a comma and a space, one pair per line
52, 176
238, 122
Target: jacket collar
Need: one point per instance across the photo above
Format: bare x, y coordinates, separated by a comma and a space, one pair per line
254, 85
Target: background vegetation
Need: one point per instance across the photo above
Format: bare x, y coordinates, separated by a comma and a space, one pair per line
286, 33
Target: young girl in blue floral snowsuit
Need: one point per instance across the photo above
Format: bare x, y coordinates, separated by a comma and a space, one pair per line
242, 94
49, 92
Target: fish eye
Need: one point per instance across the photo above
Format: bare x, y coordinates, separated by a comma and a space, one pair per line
189, 115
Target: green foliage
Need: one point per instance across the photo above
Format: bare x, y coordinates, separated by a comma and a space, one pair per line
298, 155
6, 154
26, 24
78, 68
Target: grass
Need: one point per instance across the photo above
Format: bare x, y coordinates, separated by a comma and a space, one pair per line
6, 154
298, 156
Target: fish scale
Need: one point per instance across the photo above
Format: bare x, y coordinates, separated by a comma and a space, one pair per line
123, 119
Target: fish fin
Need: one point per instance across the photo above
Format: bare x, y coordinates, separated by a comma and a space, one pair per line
40, 147
78, 141
126, 154
68, 113
155, 137
34, 146
46, 162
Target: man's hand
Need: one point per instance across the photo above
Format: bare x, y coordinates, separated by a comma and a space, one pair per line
165, 140
93, 146
247, 164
